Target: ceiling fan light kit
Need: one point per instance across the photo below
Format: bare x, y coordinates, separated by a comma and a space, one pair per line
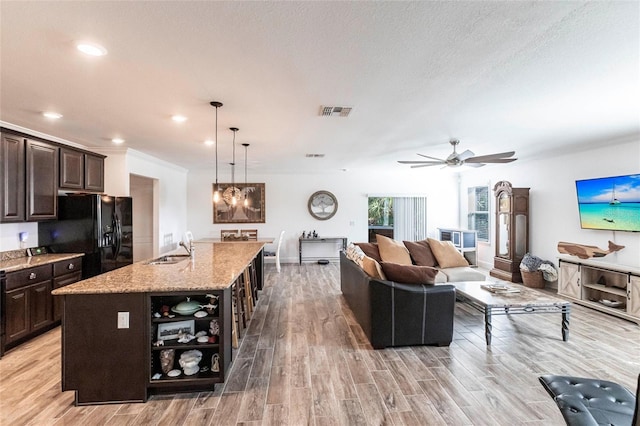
467, 158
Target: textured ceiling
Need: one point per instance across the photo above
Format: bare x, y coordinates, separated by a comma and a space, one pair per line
534, 77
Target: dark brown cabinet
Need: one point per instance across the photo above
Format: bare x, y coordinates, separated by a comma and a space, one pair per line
71, 169
12, 190
64, 273
80, 170
29, 308
93, 173
42, 180
27, 303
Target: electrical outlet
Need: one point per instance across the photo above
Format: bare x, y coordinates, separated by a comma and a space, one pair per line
123, 319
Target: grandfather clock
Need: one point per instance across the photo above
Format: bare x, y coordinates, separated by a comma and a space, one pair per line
512, 231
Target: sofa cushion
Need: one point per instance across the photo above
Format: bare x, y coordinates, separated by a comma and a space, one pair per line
373, 268
462, 273
421, 253
446, 254
409, 274
371, 250
393, 251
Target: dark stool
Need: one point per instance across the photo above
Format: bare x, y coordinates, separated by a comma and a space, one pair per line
585, 402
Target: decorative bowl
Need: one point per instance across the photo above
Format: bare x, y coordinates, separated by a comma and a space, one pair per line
186, 307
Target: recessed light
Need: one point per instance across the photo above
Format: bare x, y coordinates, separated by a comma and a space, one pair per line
91, 49
117, 141
179, 118
52, 115
209, 142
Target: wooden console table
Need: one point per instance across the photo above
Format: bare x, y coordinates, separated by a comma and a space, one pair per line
323, 240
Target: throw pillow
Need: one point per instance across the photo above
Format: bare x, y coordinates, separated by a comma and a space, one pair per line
446, 254
421, 253
355, 254
373, 268
371, 250
393, 251
409, 274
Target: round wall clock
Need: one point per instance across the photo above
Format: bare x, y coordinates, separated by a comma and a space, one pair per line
322, 205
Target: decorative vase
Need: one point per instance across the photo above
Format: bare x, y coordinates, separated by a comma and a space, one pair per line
166, 360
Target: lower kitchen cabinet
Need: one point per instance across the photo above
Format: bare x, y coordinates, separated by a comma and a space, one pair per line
27, 300
28, 309
65, 272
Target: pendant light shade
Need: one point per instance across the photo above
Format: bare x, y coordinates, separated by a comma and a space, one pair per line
216, 190
246, 199
234, 196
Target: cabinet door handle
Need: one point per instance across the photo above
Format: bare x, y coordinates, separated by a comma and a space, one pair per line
71, 266
32, 276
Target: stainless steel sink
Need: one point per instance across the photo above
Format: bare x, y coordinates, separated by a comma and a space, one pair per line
168, 259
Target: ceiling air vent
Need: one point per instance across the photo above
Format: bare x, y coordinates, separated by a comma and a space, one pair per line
335, 111
314, 155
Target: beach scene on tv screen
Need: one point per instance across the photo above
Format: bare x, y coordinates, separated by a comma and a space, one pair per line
610, 203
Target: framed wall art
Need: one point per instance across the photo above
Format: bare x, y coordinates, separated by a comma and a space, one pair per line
226, 212
171, 330
322, 205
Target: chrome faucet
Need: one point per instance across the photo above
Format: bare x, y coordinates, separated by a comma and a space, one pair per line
190, 249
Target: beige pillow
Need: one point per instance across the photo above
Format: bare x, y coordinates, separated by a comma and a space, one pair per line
446, 254
372, 268
392, 251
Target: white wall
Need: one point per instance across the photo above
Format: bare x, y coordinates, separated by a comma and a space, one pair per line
553, 203
287, 195
9, 235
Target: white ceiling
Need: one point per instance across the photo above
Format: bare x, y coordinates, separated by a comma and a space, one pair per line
526, 76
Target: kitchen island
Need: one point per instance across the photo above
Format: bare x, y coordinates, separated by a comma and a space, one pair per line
121, 330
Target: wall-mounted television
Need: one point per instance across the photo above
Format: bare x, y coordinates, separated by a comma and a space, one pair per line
610, 203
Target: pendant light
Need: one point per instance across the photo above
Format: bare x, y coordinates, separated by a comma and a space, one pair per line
216, 189
234, 199
246, 200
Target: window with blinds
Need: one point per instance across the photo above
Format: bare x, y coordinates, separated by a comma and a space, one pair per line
478, 211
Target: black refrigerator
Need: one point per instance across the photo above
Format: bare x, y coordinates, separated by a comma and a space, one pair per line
100, 226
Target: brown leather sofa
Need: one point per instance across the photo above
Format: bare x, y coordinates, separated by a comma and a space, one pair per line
396, 314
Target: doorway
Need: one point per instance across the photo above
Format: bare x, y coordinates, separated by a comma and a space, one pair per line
145, 217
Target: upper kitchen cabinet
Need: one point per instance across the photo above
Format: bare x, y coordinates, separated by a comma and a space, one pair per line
81, 171
93, 172
12, 190
71, 169
42, 180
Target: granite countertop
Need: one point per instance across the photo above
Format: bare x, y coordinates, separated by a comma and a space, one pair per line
215, 266
17, 264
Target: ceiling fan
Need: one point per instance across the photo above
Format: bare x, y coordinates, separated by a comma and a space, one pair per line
467, 158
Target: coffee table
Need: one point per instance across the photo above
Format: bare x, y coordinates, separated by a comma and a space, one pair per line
527, 301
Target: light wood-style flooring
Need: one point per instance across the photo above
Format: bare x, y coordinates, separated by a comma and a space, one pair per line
305, 361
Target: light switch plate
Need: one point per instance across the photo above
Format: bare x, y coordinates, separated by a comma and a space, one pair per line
123, 319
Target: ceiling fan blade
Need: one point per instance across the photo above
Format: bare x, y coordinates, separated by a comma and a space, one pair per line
427, 165
488, 158
432, 158
420, 162
467, 154
499, 160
